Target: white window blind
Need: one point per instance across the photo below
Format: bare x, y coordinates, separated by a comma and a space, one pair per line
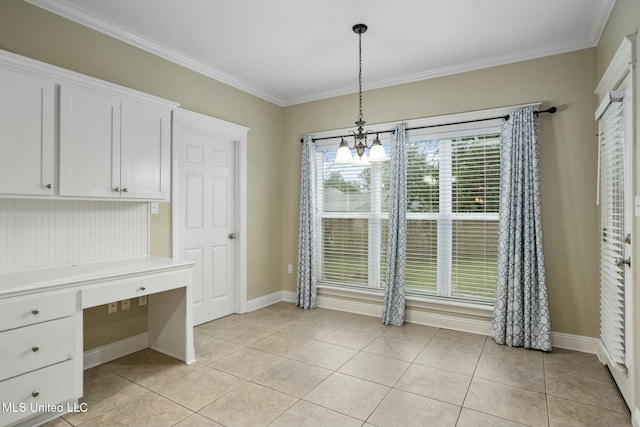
349, 197
612, 276
453, 183
453, 186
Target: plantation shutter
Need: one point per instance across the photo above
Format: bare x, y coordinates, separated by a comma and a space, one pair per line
612, 275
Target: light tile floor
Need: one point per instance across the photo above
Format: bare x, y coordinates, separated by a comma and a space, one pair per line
283, 366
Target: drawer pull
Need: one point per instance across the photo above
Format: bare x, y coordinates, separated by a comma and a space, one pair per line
142, 288
35, 393
35, 311
35, 348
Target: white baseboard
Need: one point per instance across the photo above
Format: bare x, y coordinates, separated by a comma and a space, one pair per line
482, 327
115, 350
288, 296
575, 342
269, 299
476, 326
373, 307
635, 418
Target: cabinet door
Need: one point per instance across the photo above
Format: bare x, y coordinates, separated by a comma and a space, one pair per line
27, 111
145, 152
89, 143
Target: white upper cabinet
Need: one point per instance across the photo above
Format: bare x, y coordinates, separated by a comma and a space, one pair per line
100, 140
145, 151
27, 139
112, 148
89, 143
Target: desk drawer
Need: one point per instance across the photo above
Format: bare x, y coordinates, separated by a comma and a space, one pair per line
119, 289
27, 310
51, 385
36, 346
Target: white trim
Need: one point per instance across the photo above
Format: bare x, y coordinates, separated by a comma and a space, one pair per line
619, 74
369, 306
189, 120
489, 62
269, 299
635, 418
619, 67
288, 296
599, 21
115, 350
575, 342
64, 76
413, 301
198, 122
241, 221
482, 327
84, 17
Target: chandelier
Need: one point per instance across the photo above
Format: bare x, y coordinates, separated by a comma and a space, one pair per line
376, 150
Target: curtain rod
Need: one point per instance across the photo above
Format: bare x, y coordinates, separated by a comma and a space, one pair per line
550, 110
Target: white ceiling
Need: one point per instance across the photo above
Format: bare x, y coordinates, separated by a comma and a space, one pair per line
293, 51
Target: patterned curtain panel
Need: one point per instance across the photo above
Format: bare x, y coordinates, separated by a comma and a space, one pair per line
393, 311
306, 291
521, 313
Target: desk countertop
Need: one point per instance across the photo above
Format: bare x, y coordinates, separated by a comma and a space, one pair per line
24, 282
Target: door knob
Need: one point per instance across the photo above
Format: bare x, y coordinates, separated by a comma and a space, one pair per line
621, 261
232, 236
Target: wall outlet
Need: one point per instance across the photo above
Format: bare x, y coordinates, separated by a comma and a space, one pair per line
126, 304
142, 300
113, 307
153, 208
289, 268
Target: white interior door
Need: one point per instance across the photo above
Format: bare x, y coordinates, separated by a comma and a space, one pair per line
616, 248
205, 198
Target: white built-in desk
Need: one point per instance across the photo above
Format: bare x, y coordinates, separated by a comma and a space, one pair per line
41, 359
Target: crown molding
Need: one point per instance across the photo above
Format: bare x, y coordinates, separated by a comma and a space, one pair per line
488, 62
600, 18
72, 12
90, 20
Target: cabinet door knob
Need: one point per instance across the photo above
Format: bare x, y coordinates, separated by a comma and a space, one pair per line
35, 348
48, 185
35, 393
125, 190
35, 311
142, 288
117, 189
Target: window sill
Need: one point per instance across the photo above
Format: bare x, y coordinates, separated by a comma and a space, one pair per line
412, 301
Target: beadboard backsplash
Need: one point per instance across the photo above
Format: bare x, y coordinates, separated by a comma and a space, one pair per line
42, 233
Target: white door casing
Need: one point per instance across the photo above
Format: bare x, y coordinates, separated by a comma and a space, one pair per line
209, 211
619, 77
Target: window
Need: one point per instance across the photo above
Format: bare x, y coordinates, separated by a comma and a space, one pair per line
452, 216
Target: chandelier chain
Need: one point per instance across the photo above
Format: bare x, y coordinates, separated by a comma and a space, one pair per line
360, 74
